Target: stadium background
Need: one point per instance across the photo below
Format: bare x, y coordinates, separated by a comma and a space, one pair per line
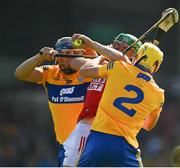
26, 128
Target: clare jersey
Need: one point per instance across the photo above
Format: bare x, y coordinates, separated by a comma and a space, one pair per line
93, 96
66, 95
129, 97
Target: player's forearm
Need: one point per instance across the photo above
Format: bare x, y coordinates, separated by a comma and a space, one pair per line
26, 68
108, 52
150, 122
90, 69
77, 63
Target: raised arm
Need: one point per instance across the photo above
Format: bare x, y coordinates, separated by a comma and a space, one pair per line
77, 63
110, 53
29, 71
90, 69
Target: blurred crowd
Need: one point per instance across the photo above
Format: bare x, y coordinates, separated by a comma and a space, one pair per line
27, 137
26, 130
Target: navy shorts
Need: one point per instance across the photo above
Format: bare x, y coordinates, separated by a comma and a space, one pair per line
104, 150
61, 155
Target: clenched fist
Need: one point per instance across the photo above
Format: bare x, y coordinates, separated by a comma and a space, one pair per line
48, 53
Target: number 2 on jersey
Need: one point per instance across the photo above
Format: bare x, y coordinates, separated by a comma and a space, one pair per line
118, 102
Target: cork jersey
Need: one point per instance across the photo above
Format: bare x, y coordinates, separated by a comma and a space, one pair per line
93, 96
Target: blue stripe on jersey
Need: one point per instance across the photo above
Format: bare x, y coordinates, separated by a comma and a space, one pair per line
66, 93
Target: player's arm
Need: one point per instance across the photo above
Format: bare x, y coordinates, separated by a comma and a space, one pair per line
91, 68
110, 53
77, 63
151, 120
29, 70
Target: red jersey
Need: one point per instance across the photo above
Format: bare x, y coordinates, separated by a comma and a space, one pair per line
93, 97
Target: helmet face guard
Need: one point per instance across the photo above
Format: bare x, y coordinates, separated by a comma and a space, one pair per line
125, 40
64, 43
120, 46
128, 39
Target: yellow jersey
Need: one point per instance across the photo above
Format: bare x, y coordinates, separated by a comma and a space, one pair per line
66, 95
129, 97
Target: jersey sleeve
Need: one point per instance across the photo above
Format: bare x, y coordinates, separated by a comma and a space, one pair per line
113, 66
107, 69
44, 69
160, 105
162, 101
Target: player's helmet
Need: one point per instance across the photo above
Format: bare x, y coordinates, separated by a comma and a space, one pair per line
123, 41
63, 43
128, 39
149, 57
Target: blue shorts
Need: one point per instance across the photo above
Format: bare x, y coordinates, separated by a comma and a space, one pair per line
104, 150
60, 155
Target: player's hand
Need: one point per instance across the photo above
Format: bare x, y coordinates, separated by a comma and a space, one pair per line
48, 54
87, 42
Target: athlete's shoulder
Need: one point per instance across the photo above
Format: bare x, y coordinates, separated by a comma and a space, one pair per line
113, 64
158, 93
51, 71
157, 87
49, 67
83, 80
122, 63
76, 77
